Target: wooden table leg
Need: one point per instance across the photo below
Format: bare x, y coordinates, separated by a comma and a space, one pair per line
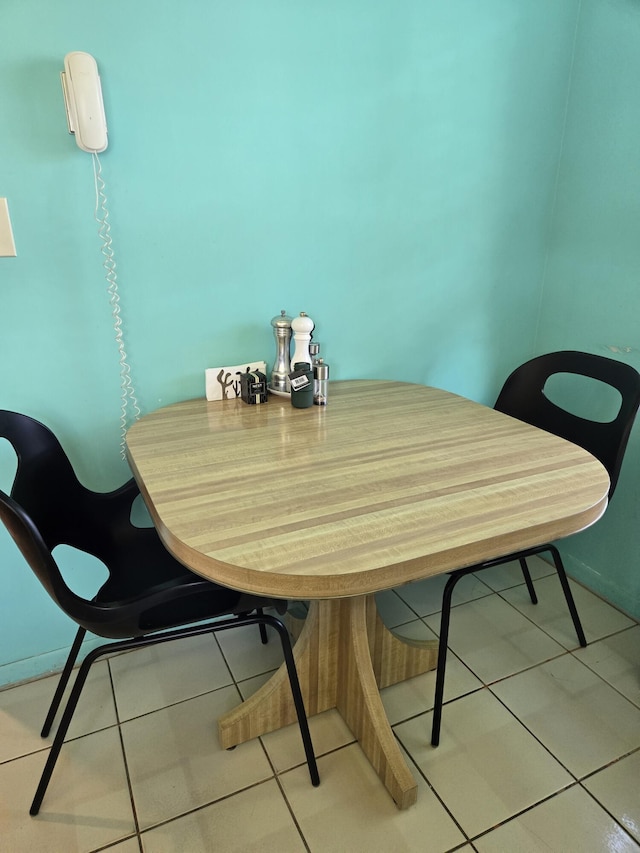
344, 656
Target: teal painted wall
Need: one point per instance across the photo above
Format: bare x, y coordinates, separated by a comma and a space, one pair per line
388, 167
591, 296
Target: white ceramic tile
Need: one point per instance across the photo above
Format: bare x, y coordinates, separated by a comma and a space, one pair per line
425, 597
578, 716
552, 614
176, 763
494, 640
253, 820
510, 574
156, 676
569, 821
87, 804
617, 660
415, 696
392, 609
23, 709
328, 732
352, 811
284, 746
246, 655
617, 787
488, 766
249, 686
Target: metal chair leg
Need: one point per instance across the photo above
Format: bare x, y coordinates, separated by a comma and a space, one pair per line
446, 615
442, 657
562, 575
67, 716
155, 639
528, 581
62, 682
262, 628
297, 698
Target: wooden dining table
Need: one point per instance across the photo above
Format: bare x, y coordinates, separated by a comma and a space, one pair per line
389, 483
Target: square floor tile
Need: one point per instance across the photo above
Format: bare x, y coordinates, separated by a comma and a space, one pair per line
328, 732
617, 660
494, 640
87, 804
156, 676
246, 655
176, 762
552, 614
617, 787
415, 695
253, 820
425, 597
488, 766
24, 708
567, 822
578, 716
392, 609
352, 811
284, 746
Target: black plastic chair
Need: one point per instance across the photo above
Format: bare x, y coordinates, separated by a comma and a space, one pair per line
523, 397
148, 598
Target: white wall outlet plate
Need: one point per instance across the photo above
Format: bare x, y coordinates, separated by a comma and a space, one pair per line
223, 383
7, 245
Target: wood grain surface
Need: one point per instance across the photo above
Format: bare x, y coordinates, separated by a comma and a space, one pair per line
390, 482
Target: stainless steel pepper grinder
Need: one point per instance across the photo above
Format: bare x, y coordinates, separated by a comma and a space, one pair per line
279, 381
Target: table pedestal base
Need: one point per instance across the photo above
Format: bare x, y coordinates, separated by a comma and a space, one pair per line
345, 655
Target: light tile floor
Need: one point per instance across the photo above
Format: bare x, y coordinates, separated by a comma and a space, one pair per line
540, 746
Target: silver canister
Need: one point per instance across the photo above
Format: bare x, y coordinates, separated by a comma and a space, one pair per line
279, 380
320, 382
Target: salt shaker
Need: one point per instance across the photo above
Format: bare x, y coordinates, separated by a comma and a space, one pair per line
320, 382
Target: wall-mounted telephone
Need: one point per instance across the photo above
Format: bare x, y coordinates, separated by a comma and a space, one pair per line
83, 101
86, 120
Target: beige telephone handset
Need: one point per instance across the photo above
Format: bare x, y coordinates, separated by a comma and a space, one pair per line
83, 101
86, 120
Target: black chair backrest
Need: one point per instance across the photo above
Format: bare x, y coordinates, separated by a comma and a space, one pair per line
47, 489
48, 506
34, 550
523, 397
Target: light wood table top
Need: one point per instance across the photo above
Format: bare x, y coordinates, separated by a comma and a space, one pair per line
389, 483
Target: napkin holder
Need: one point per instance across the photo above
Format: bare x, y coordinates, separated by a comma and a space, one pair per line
253, 387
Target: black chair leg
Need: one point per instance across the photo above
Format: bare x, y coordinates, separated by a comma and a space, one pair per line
263, 628
562, 575
63, 681
528, 581
191, 631
297, 698
67, 716
442, 657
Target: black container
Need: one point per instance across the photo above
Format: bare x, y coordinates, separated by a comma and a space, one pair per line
301, 379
